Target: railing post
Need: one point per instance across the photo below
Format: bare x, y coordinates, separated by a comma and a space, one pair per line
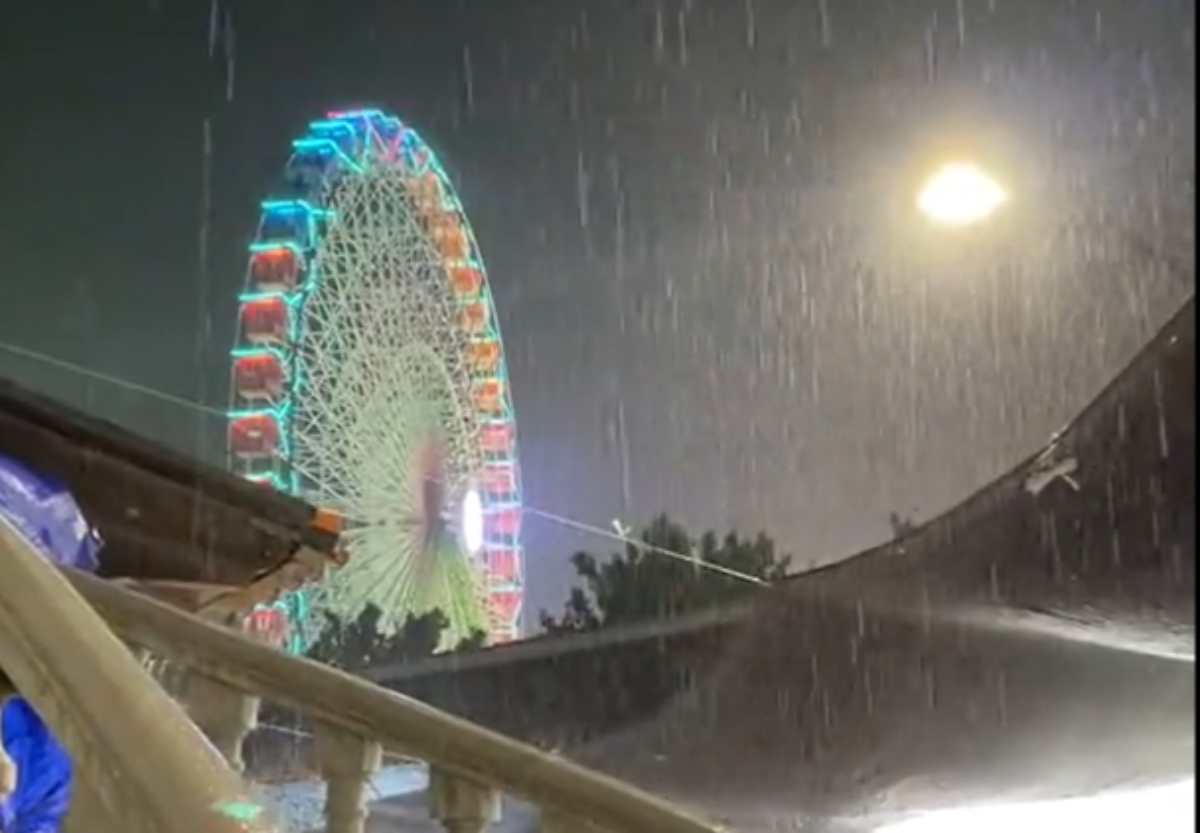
223, 713
461, 805
347, 763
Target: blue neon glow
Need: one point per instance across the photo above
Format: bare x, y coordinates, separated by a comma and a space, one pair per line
275, 480
279, 412
389, 128
253, 352
315, 144
333, 150
294, 207
348, 133
253, 412
290, 297
286, 205
365, 112
327, 145
255, 248
251, 297
339, 123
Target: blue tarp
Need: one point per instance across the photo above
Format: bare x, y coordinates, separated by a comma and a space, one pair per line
43, 793
46, 515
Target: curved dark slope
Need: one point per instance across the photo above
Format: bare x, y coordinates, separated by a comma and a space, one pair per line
1034, 640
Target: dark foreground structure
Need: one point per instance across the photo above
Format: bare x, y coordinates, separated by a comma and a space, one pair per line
192, 534
1036, 640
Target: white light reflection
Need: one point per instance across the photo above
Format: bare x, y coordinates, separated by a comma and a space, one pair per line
472, 521
1163, 809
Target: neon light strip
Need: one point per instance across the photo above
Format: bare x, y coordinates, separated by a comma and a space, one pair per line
331, 124
256, 248
289, 297
469, 263
294, 205
274, 479
349, 114
315, 144
251, 297
249, 413
503, 587
286, 205
257, 352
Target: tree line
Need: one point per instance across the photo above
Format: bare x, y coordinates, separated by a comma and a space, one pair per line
639, 583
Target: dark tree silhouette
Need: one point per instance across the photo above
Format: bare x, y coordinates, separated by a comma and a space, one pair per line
473, 641
643, 584
358, 644
900, 526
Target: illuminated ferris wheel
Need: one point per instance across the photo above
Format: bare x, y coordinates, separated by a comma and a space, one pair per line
369, 378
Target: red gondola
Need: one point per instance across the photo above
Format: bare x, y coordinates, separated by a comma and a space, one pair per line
258, 376
503, 523
488, 395
449, 237
465, 281
497, 437
275, 269
254, 435
504, 566
500, 479
506, 604
267, 625
265, 321
474, 317
484, 355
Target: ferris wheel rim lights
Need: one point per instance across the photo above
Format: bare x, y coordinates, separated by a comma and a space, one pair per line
272, 372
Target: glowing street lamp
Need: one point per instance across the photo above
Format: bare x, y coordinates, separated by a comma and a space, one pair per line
960, 194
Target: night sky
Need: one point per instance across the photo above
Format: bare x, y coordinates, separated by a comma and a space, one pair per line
698, 220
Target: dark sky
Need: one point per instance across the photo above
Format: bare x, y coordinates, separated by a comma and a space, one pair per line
697, 213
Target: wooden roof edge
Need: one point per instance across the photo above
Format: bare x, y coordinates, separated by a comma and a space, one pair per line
307, 524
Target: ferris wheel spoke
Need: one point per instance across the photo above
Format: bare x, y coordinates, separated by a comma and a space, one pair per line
402, 588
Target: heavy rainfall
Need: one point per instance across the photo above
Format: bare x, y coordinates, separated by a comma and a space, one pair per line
780, 282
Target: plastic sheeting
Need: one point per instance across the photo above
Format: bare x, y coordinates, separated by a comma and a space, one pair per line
45, 513
44, 775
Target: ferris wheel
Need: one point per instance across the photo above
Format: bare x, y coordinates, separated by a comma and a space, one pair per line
368, 377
